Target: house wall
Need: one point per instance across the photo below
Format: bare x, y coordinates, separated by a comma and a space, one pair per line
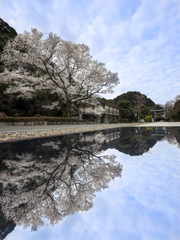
109, 114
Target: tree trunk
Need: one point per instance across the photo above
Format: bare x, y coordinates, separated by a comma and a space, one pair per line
80, 114
66, 109
139, 115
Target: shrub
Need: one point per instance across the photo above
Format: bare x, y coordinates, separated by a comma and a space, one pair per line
114, 120
124, 120
34, 119
148, 118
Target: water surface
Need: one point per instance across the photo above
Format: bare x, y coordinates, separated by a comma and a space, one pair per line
116, 184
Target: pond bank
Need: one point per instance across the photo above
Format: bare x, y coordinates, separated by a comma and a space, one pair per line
11, 133
14, 133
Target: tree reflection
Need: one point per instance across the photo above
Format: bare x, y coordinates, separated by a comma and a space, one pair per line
173, 136
6, 226
137, 140
53, 178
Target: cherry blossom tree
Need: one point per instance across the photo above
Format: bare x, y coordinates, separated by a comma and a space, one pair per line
65, 68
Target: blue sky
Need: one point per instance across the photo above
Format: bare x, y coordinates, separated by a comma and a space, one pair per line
143, 204
139, 39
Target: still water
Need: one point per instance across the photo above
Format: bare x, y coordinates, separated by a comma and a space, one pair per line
114, 184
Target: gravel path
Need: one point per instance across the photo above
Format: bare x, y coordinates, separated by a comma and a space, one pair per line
57, 130
14, 133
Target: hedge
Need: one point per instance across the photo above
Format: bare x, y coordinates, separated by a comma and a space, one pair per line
38, 119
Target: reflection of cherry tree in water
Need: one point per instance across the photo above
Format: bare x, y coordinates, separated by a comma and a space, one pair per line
33, 187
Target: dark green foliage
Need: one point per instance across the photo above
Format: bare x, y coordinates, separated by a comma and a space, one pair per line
156, 107
1, 68
7, 103
132, 115
177, 104
177, 109
6, 33
144, 110
30, 107
124, 104
130, 101
10, 104
125, 113
104, 100
149, 102
131, 96
124, 120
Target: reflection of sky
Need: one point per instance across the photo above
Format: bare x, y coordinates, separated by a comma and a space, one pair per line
143, 204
